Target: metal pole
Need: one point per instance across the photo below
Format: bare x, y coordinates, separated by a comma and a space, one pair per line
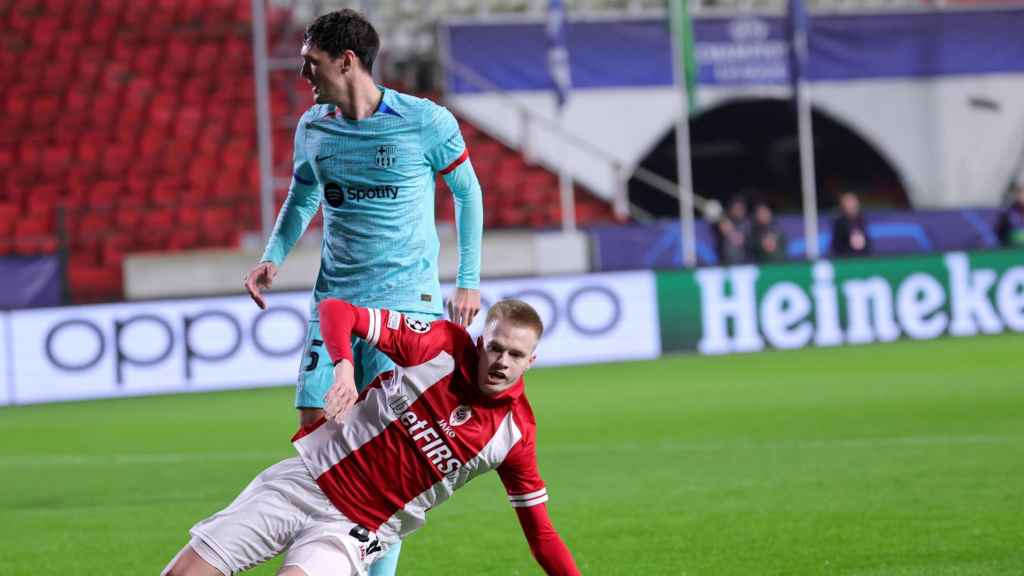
565, 187
264, 140
807, 179
688, 234
620, 202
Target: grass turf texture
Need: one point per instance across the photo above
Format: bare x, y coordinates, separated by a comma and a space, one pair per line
899, 459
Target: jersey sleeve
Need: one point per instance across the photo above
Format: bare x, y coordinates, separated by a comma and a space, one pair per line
299, 207
528, 496
546, 545
442, 141
519, 472
469, 222
405, 340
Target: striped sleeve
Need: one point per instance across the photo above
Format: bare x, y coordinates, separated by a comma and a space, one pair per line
519, 472
529, 499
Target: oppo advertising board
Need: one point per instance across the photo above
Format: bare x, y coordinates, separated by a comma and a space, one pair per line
5, 368
786, 306
172, 346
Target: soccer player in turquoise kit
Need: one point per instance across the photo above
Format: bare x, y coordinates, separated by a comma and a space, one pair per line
367, 155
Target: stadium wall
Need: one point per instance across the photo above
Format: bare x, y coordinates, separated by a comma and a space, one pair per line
939, 94
205, 272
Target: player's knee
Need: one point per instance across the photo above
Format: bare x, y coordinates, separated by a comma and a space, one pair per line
189, 563
308, 416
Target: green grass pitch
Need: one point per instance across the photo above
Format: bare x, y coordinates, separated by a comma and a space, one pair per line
901, 459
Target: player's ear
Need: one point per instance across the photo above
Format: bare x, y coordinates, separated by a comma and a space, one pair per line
348, 61
480, 343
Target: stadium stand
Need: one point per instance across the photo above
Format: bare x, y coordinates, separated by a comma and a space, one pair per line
130, 127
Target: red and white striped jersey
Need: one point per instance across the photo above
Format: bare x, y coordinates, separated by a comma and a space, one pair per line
421, 432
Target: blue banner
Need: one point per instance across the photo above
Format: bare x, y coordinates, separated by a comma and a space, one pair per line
30, 282
747, 50
657, 245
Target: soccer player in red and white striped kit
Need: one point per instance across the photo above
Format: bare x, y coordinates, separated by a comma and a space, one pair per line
369, 471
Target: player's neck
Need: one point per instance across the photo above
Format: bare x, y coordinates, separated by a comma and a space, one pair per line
364, 101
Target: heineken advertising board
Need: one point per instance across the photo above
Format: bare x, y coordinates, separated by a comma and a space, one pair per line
832, 303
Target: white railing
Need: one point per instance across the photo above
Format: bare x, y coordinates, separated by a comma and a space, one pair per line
531, 120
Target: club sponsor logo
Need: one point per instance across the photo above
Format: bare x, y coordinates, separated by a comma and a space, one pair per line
336, 194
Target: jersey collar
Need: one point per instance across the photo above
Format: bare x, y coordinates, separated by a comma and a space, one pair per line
387, 95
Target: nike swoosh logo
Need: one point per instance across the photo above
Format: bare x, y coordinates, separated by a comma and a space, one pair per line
322, 158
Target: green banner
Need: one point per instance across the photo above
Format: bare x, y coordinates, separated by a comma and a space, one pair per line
832, 303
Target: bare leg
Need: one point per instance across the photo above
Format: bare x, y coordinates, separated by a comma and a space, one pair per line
309, 415
291, 571
189, 563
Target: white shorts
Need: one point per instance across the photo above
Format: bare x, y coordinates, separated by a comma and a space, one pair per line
283, 510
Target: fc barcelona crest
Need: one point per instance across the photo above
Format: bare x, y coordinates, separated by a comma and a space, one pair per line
387, 156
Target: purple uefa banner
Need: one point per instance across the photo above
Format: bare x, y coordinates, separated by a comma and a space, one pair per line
745, 49
30, 282
656, 245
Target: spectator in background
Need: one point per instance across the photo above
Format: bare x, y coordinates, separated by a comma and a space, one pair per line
731, 233
1010, 227
849, 229
767, 242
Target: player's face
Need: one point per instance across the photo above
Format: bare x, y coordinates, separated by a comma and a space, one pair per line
323, 73
850, 204
506, 351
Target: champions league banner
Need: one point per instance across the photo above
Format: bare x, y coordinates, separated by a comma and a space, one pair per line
204, 344
843, 302
743, 50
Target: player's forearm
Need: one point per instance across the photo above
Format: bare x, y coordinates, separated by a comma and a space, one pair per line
546, 545
296, 213
469, 221
339, 320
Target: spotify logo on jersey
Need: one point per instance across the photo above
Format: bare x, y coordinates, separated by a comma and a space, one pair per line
334, 195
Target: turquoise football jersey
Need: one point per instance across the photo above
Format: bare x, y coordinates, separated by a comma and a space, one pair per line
374, 180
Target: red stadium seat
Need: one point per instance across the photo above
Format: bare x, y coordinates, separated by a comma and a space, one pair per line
92, 225
116, 160
92, 283
183, 239
9, 213
104, 194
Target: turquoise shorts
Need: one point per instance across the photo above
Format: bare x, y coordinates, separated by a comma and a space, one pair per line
316, 373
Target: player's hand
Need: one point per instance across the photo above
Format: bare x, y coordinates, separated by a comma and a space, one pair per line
260, 278
463, 307
342, 394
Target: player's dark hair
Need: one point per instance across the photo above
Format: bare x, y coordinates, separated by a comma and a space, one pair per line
342, 30
517, 312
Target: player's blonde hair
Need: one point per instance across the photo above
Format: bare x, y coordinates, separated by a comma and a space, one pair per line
518, 313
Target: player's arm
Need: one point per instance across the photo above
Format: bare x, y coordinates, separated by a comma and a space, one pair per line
407, 342
448, 155
547, 547
528, 496
296, 213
